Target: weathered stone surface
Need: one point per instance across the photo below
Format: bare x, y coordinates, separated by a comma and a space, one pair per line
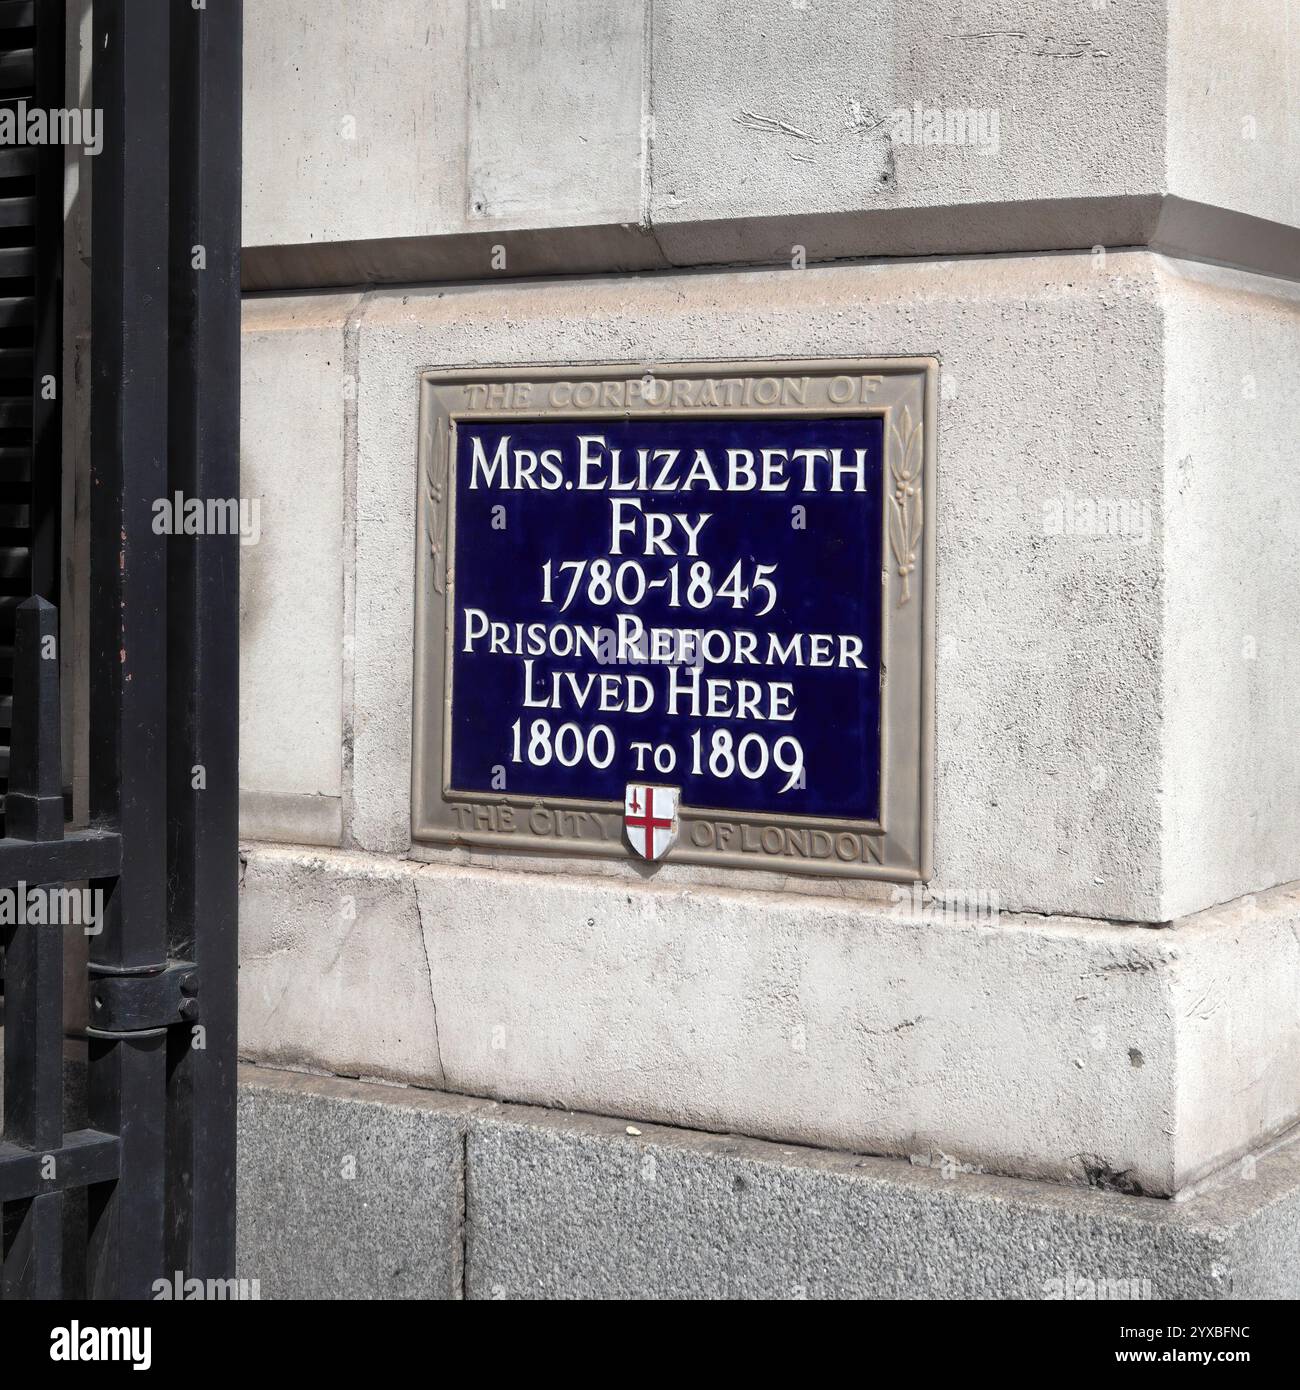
554, 113
348, 1191
706, 124
1115, 718
354, 120
467, 1198
1059, 380
1071, 1051
292, 579
1109, 656
735, 136
1233, 106
1231, 573
1048, 371
333, 965
1136, 768
575, 1207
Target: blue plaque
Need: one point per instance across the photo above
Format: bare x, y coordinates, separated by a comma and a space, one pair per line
690, 601
682, 613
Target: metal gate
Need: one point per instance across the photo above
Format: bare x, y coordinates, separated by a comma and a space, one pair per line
141, 1185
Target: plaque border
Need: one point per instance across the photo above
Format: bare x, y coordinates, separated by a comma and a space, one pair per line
905, 394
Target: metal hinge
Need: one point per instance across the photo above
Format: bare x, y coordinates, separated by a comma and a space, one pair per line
137, 1003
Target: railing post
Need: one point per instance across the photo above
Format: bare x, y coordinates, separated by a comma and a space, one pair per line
33, 1054
127, 1074
203, 634
34, 802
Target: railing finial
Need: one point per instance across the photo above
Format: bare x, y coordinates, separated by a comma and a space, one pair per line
34, 802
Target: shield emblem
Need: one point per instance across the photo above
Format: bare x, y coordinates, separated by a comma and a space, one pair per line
650, 818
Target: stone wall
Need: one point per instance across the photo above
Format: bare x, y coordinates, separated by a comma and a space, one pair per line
352, 1191
548, 182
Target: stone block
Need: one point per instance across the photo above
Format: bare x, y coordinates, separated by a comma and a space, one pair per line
1231, 573
465, 1198
554, 117
292, 579
766, 109
348, 1191
578, 1207
354, 120
1233, 107
333, 966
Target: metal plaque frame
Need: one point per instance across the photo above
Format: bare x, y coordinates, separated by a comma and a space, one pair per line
903, 390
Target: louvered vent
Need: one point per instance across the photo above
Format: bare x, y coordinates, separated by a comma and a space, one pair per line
31, 234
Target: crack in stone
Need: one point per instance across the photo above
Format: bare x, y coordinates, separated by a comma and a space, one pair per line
428, 970
463, 1281
897, 1028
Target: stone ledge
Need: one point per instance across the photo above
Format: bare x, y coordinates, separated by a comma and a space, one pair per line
1038, 1047
1165, 224
548, 1204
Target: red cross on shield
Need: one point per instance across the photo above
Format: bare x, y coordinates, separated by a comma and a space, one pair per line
650, 818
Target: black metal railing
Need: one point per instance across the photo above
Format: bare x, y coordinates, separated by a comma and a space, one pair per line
39, 1161
156, 1156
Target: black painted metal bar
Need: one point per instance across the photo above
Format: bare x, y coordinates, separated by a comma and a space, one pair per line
129, 463
33, 1061
34, 801
80, 854
126, 1077
203, 633
126, 1080
33, 1248
33, 1085
86, 1156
